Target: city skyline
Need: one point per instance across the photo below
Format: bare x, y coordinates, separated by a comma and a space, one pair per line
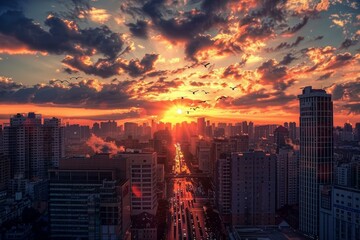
134, 61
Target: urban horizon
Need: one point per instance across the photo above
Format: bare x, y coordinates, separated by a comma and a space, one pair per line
179, 120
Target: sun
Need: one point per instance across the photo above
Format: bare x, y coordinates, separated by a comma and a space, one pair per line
176, 114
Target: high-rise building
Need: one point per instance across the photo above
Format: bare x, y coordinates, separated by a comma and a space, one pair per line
130, 129
280, 136
316, 155
253, 189
223, 187
287, 173
357, 131
292, 131
24, 144
251, 131
142, 171
201, 124
203, 155
54, 142
89, 198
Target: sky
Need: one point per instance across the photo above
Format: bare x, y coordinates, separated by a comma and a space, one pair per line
177, 60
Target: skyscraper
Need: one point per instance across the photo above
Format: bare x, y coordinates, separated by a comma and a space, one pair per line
54, 142
201, 126
316, 154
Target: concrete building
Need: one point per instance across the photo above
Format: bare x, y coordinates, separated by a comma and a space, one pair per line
89, 198
201, 124
281, 134
287, 173
316, 155
203, 154
142, 171
253, 188
339, 213
54, 142
223, 187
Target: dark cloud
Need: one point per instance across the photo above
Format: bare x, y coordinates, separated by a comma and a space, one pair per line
353, 107
348, 43
288, 58
298, 26
69, 70
262, 99
197, 44
340, 60
111, 116
197, 84
62, 37
271, 71
110, 67
139, 29
86, 94
349, 91
162, 86
325, 76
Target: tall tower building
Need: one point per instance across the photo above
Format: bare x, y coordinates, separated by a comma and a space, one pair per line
316, 154
201, 124
54, 142
24, 144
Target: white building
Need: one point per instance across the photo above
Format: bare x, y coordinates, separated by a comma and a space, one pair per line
142, 169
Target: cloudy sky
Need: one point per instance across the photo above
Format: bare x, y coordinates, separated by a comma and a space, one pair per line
141, 59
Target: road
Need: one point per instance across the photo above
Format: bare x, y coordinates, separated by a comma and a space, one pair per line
187, 214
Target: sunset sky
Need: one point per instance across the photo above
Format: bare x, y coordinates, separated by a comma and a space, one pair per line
140, 59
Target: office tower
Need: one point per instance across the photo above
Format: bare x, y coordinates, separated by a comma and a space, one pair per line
1, 140
251, 131
343, 174
223, 187
240, 143
357, 131
287, 173
286, 125
24, 144
347, 133
281, 135
130, 129
339, 213
108, 129
54, 142
245, 127
203, 154
163, 145
316, 155
89, 198
4, 173
253, 190
292, 131
142, 171
96, 129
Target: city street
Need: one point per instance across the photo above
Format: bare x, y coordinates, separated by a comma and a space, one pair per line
187, 214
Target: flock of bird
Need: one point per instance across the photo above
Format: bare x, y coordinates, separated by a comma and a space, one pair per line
207, 65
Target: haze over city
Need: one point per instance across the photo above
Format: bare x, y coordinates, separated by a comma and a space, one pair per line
179, 119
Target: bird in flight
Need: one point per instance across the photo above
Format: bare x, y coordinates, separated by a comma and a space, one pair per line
188, 112
194, 108
75, 78
203, 101
206, 64
220, 98
114, 80
233, 88
205, 92
61, 81
193, 92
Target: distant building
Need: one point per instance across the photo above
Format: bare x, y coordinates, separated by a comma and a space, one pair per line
203, 154
130, 129
316, 155
54, 142
253, 188
201, 126
287, 174
281, 134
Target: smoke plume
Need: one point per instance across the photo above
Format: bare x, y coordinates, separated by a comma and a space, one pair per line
98, 145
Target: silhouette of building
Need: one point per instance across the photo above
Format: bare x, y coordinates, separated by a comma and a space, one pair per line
89, 198
316, 155
253, 188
